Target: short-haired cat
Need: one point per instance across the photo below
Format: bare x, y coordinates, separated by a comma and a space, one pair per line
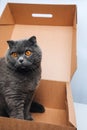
20, 74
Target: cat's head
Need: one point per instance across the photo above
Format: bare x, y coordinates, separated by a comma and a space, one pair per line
23, 54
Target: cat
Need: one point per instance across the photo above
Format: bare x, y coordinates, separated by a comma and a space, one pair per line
20, 74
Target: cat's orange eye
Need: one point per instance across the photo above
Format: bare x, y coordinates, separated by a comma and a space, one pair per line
14, 54
28, 53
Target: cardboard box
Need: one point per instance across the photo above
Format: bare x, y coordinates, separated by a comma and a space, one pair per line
55, 29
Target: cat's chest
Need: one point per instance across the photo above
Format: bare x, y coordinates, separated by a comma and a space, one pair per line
11, 80
24, 82
21, 78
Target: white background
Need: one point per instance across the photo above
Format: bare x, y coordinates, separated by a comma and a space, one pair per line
79, 81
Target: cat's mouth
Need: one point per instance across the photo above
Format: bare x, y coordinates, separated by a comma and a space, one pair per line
23, 66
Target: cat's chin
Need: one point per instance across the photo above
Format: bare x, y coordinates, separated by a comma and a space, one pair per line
22, 69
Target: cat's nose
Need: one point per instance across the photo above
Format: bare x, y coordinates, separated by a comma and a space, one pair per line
21, 59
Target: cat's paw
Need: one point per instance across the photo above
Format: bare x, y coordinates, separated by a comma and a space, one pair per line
37, 108
29, 118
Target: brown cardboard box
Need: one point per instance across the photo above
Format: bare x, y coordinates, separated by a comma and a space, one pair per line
57, 38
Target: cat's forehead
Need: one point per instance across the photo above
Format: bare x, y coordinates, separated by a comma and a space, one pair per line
20, 46
22, 43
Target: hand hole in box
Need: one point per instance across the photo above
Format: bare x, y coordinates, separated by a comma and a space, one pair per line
38, 15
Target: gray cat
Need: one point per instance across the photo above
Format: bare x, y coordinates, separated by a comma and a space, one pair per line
20, 74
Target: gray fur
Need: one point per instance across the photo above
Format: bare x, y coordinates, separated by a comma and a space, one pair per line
18, 81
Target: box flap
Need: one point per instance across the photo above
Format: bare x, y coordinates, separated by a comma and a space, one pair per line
62, 15
71, 112
6, 17
74, 40
16, 124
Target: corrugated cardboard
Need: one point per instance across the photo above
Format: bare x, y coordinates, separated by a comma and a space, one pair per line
57, 38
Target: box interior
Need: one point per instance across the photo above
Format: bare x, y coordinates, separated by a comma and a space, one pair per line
52, 95
55, 42
56, 38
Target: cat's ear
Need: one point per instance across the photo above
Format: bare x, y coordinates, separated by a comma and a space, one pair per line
33, 40
10, 43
